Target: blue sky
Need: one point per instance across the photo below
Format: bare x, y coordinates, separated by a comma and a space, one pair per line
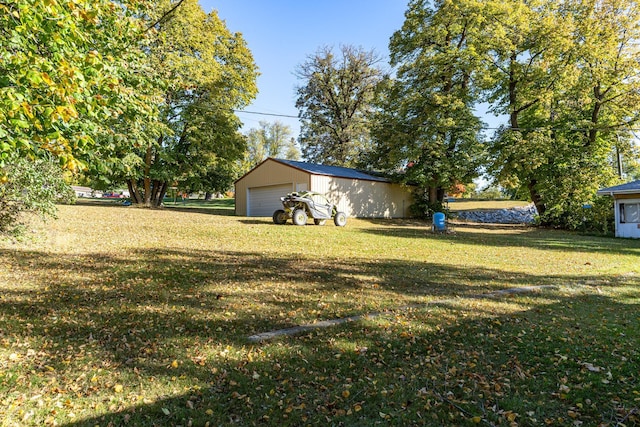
281, 34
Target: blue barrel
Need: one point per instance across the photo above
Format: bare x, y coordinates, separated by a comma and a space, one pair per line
439, 223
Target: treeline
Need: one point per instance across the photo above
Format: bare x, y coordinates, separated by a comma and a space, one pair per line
563, 74
142, 93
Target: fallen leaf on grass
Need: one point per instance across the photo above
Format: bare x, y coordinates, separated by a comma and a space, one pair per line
590, 367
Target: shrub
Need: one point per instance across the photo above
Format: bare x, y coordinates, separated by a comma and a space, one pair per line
423, 207
30, 187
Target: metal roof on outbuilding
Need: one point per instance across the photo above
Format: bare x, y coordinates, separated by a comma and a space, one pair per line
628, 188
336, 171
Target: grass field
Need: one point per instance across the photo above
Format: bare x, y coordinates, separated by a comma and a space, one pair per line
124, 316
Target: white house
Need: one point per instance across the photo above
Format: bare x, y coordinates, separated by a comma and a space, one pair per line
627, 208
356, 193
85, 191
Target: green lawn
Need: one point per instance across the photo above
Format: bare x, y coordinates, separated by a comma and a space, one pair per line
125, 316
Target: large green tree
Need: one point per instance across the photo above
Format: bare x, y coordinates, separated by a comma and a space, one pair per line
67, 68
207, 73
526, 56
566, 74
426, 126
335, 101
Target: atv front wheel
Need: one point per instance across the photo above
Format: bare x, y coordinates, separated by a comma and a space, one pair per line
299, 217
340, 219
279, 217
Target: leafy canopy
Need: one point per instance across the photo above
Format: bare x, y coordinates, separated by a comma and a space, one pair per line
206, 72
564, 73
66, 68
334, 102
426, 127
269, 140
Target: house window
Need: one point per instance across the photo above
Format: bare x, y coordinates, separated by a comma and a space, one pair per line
630, 213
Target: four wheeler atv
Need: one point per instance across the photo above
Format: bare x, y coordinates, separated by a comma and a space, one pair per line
305, 204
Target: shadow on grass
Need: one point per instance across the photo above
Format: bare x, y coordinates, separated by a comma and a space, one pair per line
516, 236
201, 210
442, 366
224, 207
133, 316
264, 221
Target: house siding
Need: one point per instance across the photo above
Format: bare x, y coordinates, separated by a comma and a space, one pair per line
364, 199
354, 196
626, 229
268, 173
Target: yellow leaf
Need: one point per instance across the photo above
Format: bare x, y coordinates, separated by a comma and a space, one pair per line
209, 412
47, 79
27, 110
345, 394
357, 408
476, 419
118, 388
174, 364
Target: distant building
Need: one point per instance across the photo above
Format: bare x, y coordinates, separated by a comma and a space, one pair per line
357, 193
86, 191
627, 208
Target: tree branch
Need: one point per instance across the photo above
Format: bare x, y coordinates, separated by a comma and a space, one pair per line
165, 15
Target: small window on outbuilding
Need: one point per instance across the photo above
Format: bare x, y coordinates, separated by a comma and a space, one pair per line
630, 213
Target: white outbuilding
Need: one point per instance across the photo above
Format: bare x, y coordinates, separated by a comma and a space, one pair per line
627, 208
357, 193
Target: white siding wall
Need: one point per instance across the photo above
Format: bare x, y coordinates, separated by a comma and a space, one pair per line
357, 198
626, 229
264, 201
364, 199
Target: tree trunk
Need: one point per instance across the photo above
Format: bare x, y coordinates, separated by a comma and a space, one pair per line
433, 194
147, 176
532, 185
536, 198
595, 116
148, 162
134, 193
155, 185
162, 192
159, 191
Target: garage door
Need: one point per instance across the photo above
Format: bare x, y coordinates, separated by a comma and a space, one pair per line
263, 201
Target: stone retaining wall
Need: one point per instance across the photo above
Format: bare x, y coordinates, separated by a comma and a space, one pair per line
523, 215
